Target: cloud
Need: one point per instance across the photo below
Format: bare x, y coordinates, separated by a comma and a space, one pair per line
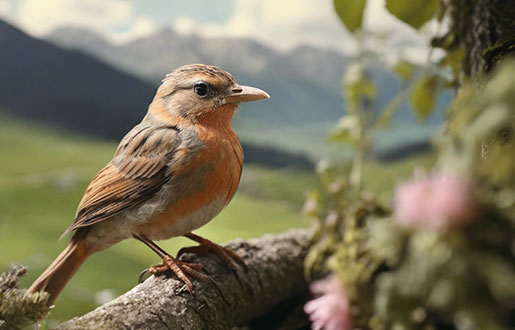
40, 17
5, 8
286, 24
282, 24
185, 25
140, 27
115, 19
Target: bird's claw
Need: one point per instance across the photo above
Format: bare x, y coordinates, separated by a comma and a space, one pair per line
142, 275
180, 269
227, 255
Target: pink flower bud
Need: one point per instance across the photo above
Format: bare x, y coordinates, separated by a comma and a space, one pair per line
438, 201
330, 311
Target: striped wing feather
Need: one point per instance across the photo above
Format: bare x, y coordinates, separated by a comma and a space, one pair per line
135, 174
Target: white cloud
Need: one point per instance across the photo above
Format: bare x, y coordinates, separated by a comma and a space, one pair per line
282, 24
5, 8
141, 27
40, 17
185, 25
115, 19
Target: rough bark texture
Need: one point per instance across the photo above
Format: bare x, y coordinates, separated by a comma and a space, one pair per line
485, 29
273, 274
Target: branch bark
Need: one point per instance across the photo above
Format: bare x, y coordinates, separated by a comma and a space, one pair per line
273, 274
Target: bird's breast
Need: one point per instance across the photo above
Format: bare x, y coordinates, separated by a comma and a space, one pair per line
198, 190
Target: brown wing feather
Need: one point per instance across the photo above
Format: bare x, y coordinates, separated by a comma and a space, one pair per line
136, 173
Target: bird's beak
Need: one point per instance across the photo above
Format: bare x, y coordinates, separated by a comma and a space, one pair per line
240, 93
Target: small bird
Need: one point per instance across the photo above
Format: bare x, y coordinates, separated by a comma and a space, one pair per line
171, 174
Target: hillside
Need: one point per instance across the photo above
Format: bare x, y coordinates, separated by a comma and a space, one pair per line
298, 95
67, 88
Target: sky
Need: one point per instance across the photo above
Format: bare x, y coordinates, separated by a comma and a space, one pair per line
280, 24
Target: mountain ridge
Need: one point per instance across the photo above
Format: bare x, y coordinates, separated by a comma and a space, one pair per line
46, 83
298, 95
305, 82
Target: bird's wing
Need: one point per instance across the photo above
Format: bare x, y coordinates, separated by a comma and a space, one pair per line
135, 174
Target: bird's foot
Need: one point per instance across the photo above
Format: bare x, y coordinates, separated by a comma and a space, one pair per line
227, 255
180, 268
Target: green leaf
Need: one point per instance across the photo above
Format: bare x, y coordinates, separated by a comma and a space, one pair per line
347, 130
423, 96
350, 12
413, 12
404, 69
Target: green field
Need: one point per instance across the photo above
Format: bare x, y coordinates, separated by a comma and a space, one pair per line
43, 174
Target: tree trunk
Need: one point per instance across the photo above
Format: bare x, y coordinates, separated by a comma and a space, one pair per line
485, 30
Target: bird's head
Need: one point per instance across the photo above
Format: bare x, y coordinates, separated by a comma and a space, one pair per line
200, 92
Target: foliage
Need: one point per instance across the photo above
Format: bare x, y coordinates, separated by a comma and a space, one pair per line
479, 137
414, 13
400, 276
354, 126
422, 86
16, 309
423, 95
350, 13
406, 278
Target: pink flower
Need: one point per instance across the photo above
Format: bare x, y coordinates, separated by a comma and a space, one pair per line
330, 311
438, 201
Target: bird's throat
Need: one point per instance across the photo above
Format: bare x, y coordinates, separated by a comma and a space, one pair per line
220, 117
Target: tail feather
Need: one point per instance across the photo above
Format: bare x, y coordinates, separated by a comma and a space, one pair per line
61, 270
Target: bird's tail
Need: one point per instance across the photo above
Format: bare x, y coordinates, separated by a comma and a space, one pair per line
61, 270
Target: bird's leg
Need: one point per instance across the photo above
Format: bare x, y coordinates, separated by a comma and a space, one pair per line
180, 268
227, 255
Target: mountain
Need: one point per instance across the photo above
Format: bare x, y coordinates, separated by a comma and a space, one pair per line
305, 83
67, 88
71, 90
153, 56
303, 87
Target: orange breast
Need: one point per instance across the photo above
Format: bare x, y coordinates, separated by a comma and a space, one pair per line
201, 187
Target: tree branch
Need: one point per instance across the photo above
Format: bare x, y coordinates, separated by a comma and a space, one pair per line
273, 274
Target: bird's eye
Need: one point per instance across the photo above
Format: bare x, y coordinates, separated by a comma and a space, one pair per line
201, 88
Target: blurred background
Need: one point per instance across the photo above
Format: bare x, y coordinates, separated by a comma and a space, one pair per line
76, 75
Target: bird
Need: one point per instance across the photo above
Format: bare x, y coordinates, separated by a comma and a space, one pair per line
171, 174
